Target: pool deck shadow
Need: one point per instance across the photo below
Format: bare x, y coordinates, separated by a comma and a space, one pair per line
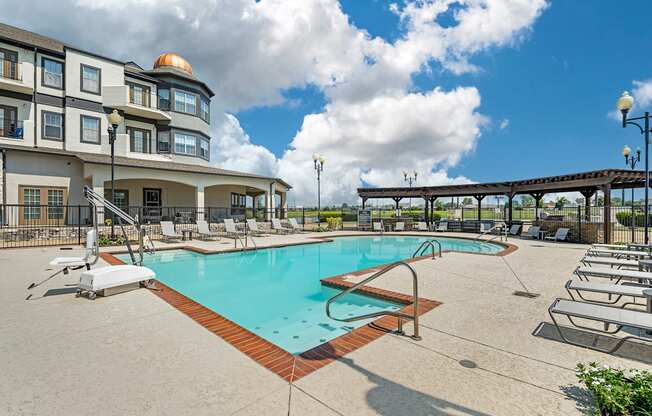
288, 366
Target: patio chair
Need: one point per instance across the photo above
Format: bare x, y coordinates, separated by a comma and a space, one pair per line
532, 232
560, 235
422, 226
584, 273
278, 227
630, 290
610, 261
230, 228
295, 225
619, 254
204, 230
378, 226
599, 313
515, 229
442, 226
253, 228
400, 226
168, 232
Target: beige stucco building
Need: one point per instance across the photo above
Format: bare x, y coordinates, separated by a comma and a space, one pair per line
54, 135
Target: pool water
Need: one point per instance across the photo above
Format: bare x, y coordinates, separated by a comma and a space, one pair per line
276, 292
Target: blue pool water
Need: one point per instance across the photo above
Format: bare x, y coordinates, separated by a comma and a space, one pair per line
276, 293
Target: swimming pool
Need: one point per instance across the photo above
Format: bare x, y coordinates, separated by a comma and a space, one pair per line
276, 293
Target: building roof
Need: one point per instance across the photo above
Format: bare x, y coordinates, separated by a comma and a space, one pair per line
143, 163
30, 38
583, 182
177, 73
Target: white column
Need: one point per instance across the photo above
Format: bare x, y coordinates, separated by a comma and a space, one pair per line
268, 206
98, 187
284, 204
200, 202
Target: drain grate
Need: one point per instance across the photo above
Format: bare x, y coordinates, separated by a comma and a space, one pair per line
526, 294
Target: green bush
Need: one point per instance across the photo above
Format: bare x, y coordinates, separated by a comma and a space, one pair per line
618, 392
625, 218
334, 223
105, 240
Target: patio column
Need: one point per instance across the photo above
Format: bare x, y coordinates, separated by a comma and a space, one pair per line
269, 202
425, 211
98, 187
510, 213
432, 207
538, 196
587, 194
606, 215
284, 205
364, 201
201, 213
479, 198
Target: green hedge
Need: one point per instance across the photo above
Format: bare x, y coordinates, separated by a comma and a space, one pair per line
625, 218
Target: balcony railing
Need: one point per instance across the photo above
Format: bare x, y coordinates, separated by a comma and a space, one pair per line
11, 128
9, 69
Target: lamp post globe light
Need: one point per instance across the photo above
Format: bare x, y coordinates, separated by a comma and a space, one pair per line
114, 120
409, 178
318, 161
631, 161
624, 105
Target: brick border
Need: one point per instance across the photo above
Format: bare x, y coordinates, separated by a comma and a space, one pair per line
284, 364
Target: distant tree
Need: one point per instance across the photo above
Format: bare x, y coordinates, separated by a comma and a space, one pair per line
600, 201
527, 201
439, 206
561, 202
467, 201
579, 201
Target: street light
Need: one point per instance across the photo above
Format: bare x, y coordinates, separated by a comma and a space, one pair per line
114, 120
409, 179
624, 104
631, 161
319, 168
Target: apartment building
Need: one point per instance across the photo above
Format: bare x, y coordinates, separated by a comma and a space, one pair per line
55, 101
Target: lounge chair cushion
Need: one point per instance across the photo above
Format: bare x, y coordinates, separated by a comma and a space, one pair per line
608, 314
626, 290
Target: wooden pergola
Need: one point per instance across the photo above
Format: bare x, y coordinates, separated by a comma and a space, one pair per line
587, 183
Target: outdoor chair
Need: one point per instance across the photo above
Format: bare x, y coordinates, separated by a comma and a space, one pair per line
378, 226
295, 225
204, 230
606, 315
168, 232
560, 235
610, 261
515, 229
422, 226
253, 228
230, 228
533, 232
614, 275
580, 287
279, 228
442, 226
619, 254
400, 226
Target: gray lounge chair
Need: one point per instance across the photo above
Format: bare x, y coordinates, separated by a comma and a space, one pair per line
422, 226
253, 228
295, 225
533, 232
204, 230
168, 232
560, 235
599, 313
584, 273
629, 290
515, 229
610, 261
278, 227
378, 226
400, 226
618, 253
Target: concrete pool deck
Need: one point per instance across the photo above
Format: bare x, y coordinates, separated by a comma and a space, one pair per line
135, 354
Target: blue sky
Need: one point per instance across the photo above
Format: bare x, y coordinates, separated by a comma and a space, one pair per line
555, 87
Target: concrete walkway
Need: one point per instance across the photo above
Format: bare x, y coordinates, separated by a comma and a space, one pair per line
132, 354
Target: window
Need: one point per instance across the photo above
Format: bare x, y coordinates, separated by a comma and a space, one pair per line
203, 149
90, 129
52, 126
185, 144
52, 75
164, 142
9, 64
205, 112
139, 94
139, 140
164, 99
91, 79
185, 102
55, 204
32, 202
238, 200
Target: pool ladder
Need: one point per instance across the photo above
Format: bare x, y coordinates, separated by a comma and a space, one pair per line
424, 246
414, 316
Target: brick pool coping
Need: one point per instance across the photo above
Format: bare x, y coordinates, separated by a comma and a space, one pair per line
288, 366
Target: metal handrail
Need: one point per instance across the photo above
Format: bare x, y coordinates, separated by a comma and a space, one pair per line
399, 315
422, 248
485, 232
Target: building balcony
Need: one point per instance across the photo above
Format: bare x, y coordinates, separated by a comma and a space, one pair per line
11, 77
16, 129
141, 105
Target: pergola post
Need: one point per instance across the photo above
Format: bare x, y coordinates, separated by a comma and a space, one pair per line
364, 201
425, 211
606, 213
538, 196
587, 194
479, 198
396, 201
432, 207
510, 213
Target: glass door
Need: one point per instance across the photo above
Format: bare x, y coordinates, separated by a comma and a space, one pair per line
151, 204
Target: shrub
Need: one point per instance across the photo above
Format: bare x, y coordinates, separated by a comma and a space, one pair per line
625, 218
334, 223
616, 391
105, 240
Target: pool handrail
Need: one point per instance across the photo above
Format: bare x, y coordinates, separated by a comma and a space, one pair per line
428, 243
399, 315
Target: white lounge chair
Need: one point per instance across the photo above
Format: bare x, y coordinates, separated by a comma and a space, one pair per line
378, 226
65, 264
533, 232
580, 287
168, 232
253, 227
113, 279
278, 227
295, 225
610, 261
422, 226
560, 235
230, 228
400, 226
515, 229
204, 230
443, 226
598, 313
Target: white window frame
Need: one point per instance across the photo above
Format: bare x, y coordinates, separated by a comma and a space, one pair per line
97, 134
82, 79
46, 125
185, 102
45, 73
182, 139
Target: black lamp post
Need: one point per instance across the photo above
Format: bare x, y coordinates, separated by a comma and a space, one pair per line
409, 179
319, 168
631, 161
114, 120
625, 103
